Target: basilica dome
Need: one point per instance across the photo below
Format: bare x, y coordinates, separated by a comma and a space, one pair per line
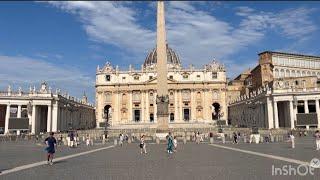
172, 58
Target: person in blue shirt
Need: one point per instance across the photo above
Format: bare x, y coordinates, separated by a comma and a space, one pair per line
51, 145
170, 144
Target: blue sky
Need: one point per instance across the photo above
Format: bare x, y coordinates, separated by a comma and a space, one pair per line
63, 42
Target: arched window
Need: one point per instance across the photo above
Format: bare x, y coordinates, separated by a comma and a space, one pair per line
303, 73
281, 73
276, 73
287, 73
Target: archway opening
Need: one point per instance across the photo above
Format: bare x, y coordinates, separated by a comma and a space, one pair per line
106, 112
216, 111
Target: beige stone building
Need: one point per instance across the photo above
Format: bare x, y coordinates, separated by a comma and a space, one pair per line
128, 98
41, 110
282, 91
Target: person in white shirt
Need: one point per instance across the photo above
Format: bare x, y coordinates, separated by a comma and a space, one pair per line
291, 136
175, 144
121, 139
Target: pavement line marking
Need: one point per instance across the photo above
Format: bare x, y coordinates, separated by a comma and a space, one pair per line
40, 163
264, 155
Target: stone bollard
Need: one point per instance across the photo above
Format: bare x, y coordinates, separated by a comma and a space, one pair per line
157, 140
184, 140
211, 140
129, 140
115, 142
245, 139
272, 138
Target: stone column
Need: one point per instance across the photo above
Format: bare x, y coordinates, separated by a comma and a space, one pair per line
180, 106
270, 114
155, 116
318, 112
49, 118
33, 120
147, 107
193, 106
130, 116
205, 105
142, 106
19, 111
176, 111
6, 125
306, 108
275, 112
55, 118
291, 114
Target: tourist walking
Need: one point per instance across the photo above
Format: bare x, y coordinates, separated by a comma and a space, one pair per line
51, 145
170, 144
235, 138
121, 139
198, 137
317, 136
291, 137
142, 145
175, 143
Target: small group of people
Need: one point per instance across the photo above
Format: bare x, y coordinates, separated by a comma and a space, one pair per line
123, 138
316, 136
172, 144
72, 139
236, 136
198, 137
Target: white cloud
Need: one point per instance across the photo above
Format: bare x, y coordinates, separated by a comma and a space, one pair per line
26, 72
111, 23
197, 35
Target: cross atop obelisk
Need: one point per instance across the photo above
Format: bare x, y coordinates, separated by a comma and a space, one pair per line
162, 86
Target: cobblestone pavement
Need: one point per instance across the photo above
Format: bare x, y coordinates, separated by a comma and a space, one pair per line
190, 162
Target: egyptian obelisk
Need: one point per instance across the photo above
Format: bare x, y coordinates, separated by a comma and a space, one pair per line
162, 86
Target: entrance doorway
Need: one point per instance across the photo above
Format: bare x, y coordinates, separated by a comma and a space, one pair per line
216, 111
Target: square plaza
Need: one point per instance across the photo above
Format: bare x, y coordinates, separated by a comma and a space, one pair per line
191, 161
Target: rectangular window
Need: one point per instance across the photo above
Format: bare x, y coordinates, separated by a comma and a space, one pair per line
136, 115
150, 77
170, 77
108, 78
214, 75
136, 78
185, 76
